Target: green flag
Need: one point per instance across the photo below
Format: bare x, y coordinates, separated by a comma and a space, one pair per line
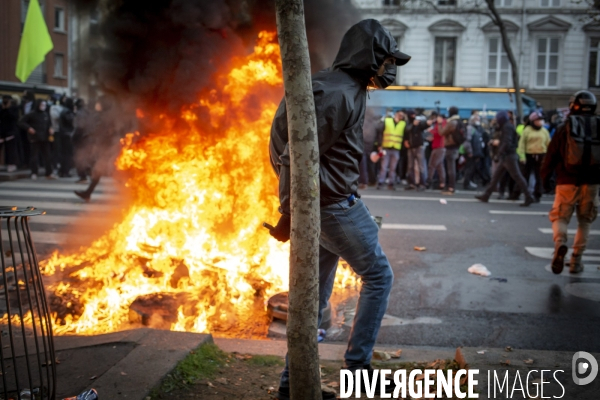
35, 42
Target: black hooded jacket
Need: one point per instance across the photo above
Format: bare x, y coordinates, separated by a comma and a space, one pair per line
340, 100
39, 121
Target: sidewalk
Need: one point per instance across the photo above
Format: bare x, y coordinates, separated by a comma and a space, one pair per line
128, 364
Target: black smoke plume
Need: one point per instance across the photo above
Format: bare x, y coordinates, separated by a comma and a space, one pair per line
160, 54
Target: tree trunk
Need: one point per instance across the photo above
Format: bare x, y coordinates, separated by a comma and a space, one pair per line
303, 351
511, 57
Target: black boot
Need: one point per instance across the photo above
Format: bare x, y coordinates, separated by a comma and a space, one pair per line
85, 196
482, 198
529, 200
558, 261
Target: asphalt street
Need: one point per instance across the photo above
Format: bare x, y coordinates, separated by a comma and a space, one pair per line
434, 300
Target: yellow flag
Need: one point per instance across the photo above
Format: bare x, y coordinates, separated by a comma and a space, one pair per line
35, 42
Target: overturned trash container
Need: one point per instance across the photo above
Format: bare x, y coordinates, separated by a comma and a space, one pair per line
27, 358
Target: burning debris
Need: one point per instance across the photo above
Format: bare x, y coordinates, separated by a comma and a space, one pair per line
189, 253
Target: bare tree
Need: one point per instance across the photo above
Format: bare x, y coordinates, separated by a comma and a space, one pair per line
303, 351
491, 12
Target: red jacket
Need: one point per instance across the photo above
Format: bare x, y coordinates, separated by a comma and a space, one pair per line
438, 140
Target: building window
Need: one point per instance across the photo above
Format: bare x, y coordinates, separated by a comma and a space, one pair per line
58, 65
446, 2
498, 65
59, 19
503, 3
547, 62
594, 70
444, 60
391, 2
550, 3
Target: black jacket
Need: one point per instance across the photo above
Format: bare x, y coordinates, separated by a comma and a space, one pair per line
413, 133
340, 100
509, 140
40, 122
9, 118
66, 122
554, 162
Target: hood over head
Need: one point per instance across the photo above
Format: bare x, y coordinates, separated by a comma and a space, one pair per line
502, 118
365, 47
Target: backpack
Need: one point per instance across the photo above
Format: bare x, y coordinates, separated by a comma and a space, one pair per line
583, 142
477, 143
459, 135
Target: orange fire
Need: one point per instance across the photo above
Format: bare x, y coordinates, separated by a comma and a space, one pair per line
193, 233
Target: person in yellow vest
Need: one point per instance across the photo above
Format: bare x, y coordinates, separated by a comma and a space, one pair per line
391, 142
533, 145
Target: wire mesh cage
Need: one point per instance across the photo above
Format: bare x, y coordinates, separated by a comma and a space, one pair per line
27, 358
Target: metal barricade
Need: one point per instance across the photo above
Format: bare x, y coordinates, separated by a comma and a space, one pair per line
27, 358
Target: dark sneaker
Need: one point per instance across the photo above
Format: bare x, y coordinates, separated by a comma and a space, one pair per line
482, 198
421, 188
558, 262
575, 265
528, 201
82, 195
284, 394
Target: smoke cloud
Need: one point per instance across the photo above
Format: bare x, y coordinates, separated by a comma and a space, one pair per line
159, 54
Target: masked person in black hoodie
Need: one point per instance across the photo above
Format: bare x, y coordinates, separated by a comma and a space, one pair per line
574, 154
508, 160
368, 56
39, 133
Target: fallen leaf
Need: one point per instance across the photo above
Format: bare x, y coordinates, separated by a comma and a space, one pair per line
381, 355
396, 354
419, 377
505, 362
123, 373
460, 359
210, 384
508, 348
93, 377
417, 248
529, 361
464, 380
333, 384
221, 380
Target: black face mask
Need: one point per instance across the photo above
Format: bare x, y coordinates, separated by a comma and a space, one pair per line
388, 77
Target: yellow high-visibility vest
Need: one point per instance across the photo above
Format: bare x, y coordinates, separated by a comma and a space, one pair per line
393, 134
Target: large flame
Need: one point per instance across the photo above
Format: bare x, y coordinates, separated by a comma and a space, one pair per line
194, 230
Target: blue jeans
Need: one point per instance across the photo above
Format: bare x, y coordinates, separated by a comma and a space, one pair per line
388, 166
350, 232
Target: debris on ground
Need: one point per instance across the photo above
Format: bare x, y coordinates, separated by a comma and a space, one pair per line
481, 351
506, 363
501, 280
417, 248
397, 354
381, 355
529, 361
443, 201
479, 269
460, 359
508, 349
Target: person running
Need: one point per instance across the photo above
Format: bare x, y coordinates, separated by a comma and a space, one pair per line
391, 143
532, 149
574, 155
368, 56
508, 160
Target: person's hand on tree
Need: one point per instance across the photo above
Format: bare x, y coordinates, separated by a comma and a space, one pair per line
281, 231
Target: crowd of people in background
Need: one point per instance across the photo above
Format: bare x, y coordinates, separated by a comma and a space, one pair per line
429, 150
60, 134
